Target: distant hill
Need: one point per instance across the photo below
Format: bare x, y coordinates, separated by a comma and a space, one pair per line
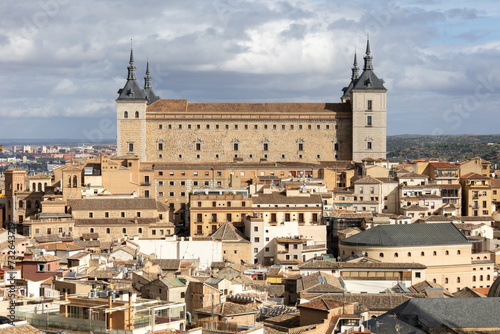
449, 148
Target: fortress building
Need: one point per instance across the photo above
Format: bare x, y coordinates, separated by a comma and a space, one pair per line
174, 130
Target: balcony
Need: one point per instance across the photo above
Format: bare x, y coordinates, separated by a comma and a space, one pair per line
314, 247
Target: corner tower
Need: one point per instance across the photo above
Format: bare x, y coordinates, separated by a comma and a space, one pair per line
369, 109
131, 116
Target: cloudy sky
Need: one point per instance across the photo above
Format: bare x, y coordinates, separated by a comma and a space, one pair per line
62, 61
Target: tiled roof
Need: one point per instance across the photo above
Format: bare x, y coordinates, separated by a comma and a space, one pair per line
78, 256
289, 240
87, 243
107, 273
280, 198
408, 234
227, 232
495, 183
94, 236
47, 238
323, 304
241, 109
45, 258
59, 246
412, 175
113, 204
319, 282
228, 309
167, 264
367, 180
372, 301
325, 264
20, 329
443, 165
473, 175
414, 207
274, 271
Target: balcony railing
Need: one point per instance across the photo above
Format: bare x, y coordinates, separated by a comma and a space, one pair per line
317, 246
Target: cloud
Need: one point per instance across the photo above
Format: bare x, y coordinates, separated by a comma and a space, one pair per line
64, 59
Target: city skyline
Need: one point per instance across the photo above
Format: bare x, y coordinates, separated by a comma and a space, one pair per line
64, 62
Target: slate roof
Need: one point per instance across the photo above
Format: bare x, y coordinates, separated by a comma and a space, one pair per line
456, 313
113, 204
228, 233
408, 235
280, 198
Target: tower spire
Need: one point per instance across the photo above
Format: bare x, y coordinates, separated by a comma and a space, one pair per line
355, 69
131, 68
147, 78
368, 57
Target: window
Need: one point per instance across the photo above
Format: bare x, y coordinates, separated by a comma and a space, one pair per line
180, 126
295, 246
446, 280
197, 146
417, 274
124, 230
458, 279
256, 239
458, 252
291, 126
136, 114
265, 146
207, 126
309, 126
246, 126
91, 215
108, 231
138, 214
236, 126
369, 106
369, 145
229, 217
236, 146
122, 214
300, 146
422, 254
274, 126
381, 255
160, 146
396, 255
255, 250
125, 114
255, 126
106, 214
368, 120
283, 127
130, 147
434, 253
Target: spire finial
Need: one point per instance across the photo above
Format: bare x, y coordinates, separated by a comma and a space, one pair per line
131, 68
368, 56
147, 78
355, 68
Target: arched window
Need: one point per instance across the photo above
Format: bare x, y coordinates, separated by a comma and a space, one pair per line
422, 254
458, 279
434, 280
488, 277
44, 185
34, 187
481, 277
125, 114
446, 280
108, 230
447, 253
74, 181
39, 186
434, 253
396, 255
91, 230
140, 230
124, 230
458, 252
21, 204
409, 254
136, 114
381, 255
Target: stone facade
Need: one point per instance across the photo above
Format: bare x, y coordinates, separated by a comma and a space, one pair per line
168, 130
